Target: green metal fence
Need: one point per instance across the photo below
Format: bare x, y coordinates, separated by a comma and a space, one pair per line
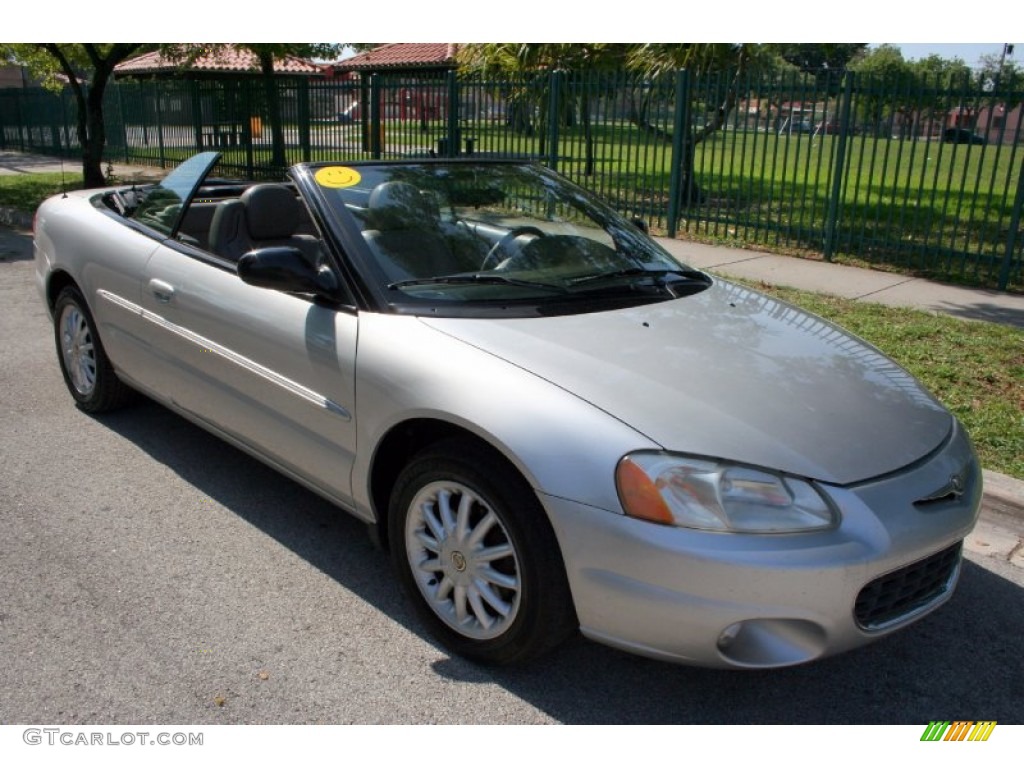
926, 177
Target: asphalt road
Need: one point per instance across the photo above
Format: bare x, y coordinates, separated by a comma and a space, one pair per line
152, 574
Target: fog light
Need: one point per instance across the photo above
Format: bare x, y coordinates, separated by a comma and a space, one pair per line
771, 642
729, 635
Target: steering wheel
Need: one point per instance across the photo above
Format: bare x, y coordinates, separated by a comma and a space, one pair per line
505, 241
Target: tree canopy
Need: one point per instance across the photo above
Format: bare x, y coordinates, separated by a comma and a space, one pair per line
86, 68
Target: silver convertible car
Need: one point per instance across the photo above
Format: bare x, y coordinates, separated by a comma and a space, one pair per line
551, 424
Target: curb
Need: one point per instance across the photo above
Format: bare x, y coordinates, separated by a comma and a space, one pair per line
1003, 495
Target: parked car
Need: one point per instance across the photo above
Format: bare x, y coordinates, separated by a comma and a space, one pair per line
962, 136
550, 422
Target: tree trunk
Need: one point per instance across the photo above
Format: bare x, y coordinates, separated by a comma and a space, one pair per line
94, 139
278, 158
91, 133
518, 115
92, 167
89, 120
690, 192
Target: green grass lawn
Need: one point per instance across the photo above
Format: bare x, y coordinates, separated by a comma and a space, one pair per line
26, 191
918, 206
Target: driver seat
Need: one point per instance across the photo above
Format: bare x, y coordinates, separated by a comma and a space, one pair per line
405, 234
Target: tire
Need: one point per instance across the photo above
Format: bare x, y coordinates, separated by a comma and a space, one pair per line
87, 371
475, 552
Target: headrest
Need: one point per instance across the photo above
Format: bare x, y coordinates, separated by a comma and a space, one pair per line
271, 211
400, 205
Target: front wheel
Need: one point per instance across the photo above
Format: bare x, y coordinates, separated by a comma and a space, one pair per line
87, 371
475, 551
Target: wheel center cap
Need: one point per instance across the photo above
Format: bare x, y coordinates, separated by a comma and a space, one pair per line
459, 561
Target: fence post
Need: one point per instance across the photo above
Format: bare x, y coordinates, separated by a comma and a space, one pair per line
124, 120
1011, 237
554, 99
305, 142
454, 139
159, 97
5, 101
68, 130
375, 124
197, 112
21, 125
832, 220
680, 127
51, 114
248, 109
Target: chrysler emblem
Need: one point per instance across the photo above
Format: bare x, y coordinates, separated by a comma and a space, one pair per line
956, 485
951, 491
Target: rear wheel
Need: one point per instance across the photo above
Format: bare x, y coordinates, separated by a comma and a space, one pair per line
475, 551
89, 376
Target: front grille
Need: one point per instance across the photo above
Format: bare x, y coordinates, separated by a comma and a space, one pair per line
901, 593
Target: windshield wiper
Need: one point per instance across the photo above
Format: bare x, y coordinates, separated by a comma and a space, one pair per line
477, 279
683, 275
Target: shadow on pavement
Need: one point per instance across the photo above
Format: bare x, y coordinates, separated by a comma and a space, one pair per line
961, 663
15, 246
992, 313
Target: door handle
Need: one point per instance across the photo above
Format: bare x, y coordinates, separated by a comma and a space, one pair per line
164, 292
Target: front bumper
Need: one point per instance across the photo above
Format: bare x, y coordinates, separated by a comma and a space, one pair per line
756, 601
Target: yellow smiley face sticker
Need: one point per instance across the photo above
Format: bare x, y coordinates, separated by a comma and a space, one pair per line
337, 177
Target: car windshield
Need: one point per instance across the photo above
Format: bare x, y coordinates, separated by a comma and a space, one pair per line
459, 233
161, 207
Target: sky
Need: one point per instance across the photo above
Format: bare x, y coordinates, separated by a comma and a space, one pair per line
971, 53
539, 21
543, 21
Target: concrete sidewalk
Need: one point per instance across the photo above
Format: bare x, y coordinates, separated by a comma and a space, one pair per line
852, 282
14, 163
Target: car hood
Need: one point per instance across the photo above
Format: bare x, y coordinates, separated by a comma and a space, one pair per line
731, 373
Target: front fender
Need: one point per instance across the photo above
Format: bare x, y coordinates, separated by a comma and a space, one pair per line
562, 445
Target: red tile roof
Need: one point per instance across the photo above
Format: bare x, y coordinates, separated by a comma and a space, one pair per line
402, 56
227, 60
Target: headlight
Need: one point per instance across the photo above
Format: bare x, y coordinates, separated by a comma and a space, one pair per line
716, 496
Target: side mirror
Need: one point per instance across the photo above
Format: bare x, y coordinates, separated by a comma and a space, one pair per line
284, 268
640, 224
